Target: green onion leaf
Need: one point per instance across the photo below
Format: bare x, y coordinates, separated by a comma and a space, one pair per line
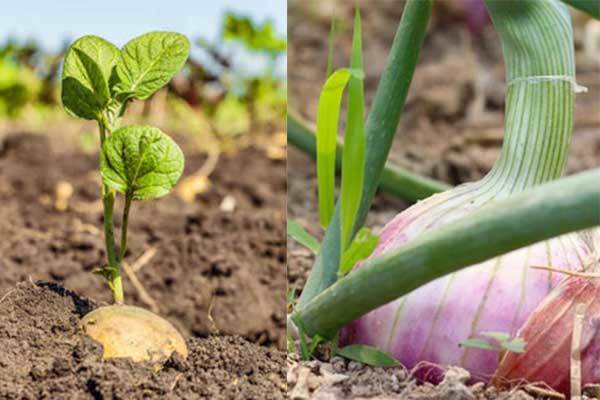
362, 246
330, 101
299, 234
368, 355
353, 159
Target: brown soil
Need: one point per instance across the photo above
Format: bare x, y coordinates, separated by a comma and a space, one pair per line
45, 355
214, 270
451, 129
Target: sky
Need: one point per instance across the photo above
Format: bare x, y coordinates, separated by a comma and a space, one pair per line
52, 22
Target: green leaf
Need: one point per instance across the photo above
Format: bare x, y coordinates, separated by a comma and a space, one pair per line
362, 246
148, 62
328, 113
86, 70
141, 161
499, 336
478, 344
353, 159
258, 37
380, 129
368, 355
516, 345
299, 234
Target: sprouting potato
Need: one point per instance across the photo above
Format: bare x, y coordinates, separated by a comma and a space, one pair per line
99, 80
133, 332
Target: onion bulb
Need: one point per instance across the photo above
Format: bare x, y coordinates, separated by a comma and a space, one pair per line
428, 325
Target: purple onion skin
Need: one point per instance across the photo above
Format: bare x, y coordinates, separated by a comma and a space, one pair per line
425, 327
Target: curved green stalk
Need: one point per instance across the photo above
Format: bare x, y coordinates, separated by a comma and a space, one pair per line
547, 211
396, 181
379, 132
537, 43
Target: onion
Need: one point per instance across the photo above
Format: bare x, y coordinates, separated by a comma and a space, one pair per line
548, 332
428, 325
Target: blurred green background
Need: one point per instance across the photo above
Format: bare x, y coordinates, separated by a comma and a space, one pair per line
231, 92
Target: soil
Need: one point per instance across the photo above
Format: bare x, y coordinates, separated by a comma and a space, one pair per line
451, 129
342, 379
214, 267
46, 355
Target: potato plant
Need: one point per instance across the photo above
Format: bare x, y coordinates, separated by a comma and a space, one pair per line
140, 162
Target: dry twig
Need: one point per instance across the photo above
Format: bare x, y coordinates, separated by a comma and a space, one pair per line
576, 351
130, 272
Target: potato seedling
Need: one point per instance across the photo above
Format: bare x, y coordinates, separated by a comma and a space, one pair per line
140, 162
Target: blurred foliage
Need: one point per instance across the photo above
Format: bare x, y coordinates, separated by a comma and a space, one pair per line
18, 86
27, 78
215, 98
254, 36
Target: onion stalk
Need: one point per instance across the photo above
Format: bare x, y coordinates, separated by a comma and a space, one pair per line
379, 132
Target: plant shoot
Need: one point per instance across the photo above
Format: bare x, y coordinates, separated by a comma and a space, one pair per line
139, 162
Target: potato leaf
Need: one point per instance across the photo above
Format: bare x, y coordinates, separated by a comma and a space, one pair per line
368, 355
148, 62
141, 162
86, 70
299, 234
362, 246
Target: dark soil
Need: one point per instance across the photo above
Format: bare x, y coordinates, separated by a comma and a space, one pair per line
46, 355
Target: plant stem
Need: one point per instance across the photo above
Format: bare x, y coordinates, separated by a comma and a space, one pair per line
108, 203
124, 224
394, 180
116, 284
550, 210
379, 132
